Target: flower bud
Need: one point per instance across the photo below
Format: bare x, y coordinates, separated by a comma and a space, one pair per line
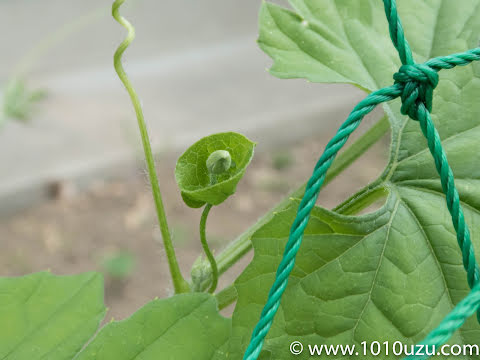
201, 274
219, 162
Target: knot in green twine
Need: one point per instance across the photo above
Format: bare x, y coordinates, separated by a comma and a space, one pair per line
418, 82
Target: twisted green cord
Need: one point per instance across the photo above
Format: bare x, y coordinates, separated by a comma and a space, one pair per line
396, 32
179, 282
452, 198
414, 84
419, 81
303, 214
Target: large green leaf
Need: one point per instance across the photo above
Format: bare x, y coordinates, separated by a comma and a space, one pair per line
182, 327
192, 175
393, 274
44, 316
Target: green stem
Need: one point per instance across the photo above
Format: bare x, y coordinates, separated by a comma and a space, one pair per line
242, 244
226, 297
363, 198
206, 249
179, 283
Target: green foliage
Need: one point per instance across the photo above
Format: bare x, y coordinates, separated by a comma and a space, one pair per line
374, 277
119, 265
18, 100
193, 177
53, 317
332, 41
185, 326
389, 275
395, 273
49, 317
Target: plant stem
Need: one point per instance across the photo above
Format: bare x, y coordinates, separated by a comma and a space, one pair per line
206, 249
179, 283
242, 244
363, 198
226, 297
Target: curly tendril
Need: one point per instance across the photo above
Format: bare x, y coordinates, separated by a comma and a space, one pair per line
179, 282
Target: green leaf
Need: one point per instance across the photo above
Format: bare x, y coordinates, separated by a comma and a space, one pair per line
192, 175
186, 326
395, 273
329, 41
366, 278
49, 317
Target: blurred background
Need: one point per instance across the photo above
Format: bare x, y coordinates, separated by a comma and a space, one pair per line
73, 192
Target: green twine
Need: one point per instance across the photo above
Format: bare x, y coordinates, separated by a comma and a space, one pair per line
414, 84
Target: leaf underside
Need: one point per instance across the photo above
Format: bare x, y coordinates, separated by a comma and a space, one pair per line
48, 317
395, 273
186, 327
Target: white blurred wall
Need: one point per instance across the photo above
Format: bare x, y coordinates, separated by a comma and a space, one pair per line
195, 64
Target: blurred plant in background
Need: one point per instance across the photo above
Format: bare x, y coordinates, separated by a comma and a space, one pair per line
117, 268
282, 160
19, 101
119, 265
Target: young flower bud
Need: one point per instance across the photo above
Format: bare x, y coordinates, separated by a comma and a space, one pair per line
201, 274
218, 162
